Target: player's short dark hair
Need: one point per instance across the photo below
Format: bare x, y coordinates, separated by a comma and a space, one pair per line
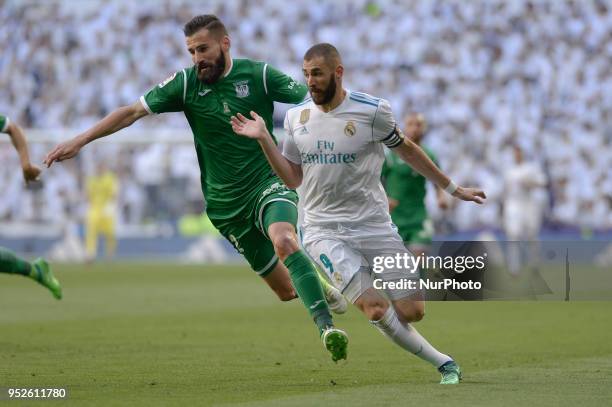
205, 21
329, 53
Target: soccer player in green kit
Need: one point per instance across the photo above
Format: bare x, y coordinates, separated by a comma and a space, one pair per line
39, 269
246, 201
406, 190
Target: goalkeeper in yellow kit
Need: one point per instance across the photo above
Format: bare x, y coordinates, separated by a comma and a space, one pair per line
102, 189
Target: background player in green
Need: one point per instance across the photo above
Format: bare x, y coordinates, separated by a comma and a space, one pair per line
38, 270
406, 190
246, 201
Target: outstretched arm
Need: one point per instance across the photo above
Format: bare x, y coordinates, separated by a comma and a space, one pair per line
30, 172
123, 117
417, 159
441, 198
289, 172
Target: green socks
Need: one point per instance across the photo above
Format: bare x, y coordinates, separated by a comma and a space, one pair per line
9, 263
306, 283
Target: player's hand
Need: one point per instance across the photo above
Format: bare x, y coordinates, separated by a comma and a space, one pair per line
255, 129
63, 151
470, 194
30, 173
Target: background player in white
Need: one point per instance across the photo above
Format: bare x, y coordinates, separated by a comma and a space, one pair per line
407, 191
334, 149
523, 208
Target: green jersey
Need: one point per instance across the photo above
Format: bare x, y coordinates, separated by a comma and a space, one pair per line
409, 188
4, 122
233, 168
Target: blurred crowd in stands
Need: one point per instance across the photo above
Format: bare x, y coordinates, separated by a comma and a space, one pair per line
487, 75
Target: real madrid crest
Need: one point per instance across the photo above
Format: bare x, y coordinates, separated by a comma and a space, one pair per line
304, 116
242, 89
350, 129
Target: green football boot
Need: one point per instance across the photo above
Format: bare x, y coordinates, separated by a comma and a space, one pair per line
451, 373
45, 276
336, 342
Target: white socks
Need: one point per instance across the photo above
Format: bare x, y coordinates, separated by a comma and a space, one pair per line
407, 337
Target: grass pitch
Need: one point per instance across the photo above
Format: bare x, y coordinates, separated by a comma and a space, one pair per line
136, 334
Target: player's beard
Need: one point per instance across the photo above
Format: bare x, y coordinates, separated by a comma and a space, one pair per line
214, 72
326, 95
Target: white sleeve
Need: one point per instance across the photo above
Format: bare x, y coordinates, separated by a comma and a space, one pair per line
290, 149
384, 128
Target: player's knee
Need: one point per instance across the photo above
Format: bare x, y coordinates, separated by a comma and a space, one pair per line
375, 310
411, 314
285, 244
418, 315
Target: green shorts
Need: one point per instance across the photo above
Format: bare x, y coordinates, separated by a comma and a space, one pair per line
248, 234
418, 233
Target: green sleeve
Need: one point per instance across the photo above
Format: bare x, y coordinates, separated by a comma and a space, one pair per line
282, 88
432, 156
4, 122
168, 96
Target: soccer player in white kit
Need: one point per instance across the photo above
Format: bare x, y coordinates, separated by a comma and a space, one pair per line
522, 209
334, 149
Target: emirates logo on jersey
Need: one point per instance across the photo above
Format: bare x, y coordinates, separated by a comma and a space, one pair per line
242, 89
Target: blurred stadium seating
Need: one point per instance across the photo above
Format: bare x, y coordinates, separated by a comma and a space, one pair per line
486, 74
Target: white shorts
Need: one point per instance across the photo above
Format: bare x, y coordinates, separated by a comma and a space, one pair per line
348, 257
522, 222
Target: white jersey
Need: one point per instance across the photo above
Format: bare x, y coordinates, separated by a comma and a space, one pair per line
522, 208
341, 155
522, 181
